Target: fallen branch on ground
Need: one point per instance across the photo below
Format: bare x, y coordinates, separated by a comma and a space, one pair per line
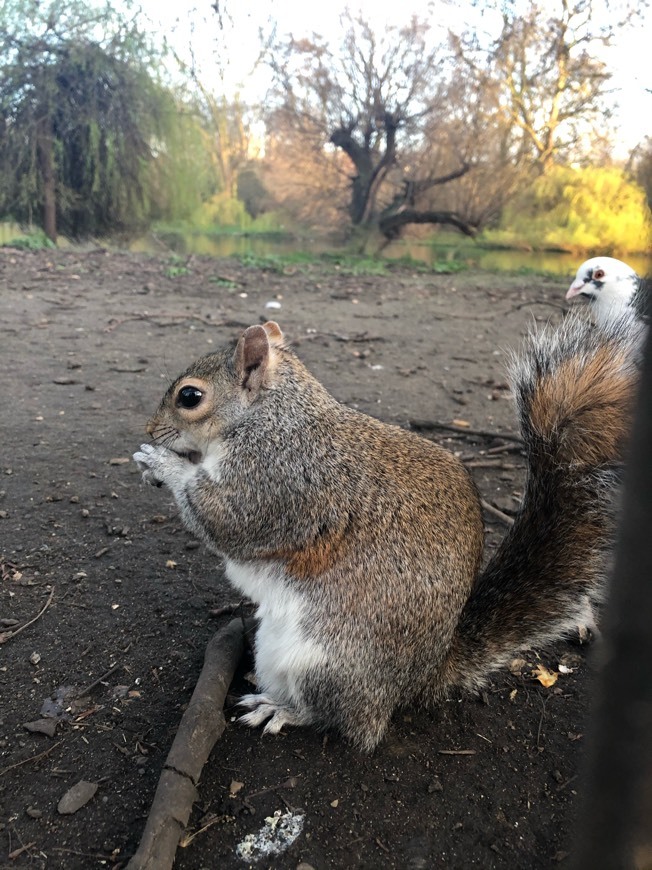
7, 635
201, 726
509, 521
427, 425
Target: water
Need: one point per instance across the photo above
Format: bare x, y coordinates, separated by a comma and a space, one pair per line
466, 252
553, 262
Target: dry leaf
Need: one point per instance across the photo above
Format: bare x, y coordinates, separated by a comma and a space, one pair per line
516, 666
544, 676
463, 423
170, 564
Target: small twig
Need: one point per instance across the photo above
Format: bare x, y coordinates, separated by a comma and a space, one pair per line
509, 521
31, 758
488, 463
358, 337
18, 852
456, 751
568, 782
537, 302
544, 701
173, 318
187, 838
8, 635
89, 688
287, 783
96, 855
504, 448
462, 430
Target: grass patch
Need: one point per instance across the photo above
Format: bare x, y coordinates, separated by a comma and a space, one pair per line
343, 263
36, 241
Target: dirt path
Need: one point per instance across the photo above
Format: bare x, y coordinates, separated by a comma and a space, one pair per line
89, 342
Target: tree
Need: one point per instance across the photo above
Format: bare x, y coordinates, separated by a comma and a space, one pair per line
80, 114
578, 209
547, 70
370, 97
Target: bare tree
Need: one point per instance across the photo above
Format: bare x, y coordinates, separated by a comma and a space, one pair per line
549, 74
372, 97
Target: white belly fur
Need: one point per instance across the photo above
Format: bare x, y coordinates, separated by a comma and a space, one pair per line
284, 652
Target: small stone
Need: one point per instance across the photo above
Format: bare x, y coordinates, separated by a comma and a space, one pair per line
76, 797
42, 726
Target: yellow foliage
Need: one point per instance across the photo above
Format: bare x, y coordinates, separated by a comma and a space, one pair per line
222, 210
578, 210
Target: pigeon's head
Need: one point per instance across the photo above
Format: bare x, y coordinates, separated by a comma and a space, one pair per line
605, 282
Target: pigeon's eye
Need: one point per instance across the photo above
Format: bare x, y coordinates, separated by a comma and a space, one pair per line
189, 397
598, 274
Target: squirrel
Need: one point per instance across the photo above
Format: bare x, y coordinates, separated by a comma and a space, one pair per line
361, 542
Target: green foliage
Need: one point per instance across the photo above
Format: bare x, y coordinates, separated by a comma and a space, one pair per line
182, 175
223, 282
83, 119
177, 267
578, 210
36, 241
222, 210
341, 262
252, 192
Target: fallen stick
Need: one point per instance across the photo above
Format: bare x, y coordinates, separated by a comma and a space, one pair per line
8, 635
509, 521
427, 425
201, 726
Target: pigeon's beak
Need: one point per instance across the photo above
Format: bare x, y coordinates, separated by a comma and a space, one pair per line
575, 288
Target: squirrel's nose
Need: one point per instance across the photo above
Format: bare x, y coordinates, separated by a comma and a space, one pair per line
150, 427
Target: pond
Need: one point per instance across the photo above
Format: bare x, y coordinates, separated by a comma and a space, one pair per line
500, 260
467, 252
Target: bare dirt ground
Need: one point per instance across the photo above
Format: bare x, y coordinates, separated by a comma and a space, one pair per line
90, 340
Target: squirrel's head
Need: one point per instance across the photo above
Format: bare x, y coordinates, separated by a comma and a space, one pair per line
215, 392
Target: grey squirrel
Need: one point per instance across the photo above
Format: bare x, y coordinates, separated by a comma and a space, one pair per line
361, 542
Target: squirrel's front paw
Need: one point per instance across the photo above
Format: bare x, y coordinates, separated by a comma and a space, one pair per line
156, 463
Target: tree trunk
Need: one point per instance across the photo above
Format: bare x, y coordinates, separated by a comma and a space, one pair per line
391, 225
45, 149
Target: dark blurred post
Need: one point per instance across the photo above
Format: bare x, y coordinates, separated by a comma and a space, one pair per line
616, 816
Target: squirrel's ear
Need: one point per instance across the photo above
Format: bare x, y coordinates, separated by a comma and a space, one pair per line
274, 333
252, 358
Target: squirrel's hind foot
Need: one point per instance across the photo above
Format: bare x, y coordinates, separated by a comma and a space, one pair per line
265, 709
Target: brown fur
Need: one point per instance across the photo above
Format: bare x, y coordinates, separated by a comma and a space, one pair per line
582, 398
362, 542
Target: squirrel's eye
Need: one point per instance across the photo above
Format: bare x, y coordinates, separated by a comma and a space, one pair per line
598, 274
189, 397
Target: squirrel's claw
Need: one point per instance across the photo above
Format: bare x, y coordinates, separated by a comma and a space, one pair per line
146, 459
263, 708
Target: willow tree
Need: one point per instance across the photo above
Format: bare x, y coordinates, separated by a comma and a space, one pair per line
81, 113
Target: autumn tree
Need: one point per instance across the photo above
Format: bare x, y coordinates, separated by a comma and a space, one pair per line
547, 69
370, 97
81, 115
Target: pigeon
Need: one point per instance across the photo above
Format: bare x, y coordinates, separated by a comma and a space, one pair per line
611, 287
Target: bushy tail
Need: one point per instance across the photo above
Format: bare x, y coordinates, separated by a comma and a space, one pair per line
574, 388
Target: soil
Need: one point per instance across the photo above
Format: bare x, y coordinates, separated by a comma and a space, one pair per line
90, 340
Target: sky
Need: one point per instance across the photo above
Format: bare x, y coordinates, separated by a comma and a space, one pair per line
228, 64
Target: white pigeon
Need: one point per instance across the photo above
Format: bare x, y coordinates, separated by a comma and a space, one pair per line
610, 286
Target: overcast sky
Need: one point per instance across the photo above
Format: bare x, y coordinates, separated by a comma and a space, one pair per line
227, 64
